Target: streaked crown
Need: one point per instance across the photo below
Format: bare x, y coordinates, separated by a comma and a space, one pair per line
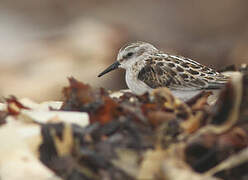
132, 51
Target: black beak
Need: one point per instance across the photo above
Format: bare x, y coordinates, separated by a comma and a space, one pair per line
110, 68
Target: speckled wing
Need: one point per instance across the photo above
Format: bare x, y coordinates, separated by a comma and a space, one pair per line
179, 73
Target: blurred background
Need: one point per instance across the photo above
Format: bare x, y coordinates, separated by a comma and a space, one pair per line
43, 42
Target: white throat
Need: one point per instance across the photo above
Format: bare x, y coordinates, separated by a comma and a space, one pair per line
133, 83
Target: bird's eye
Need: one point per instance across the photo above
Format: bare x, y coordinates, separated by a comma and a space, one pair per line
129, 54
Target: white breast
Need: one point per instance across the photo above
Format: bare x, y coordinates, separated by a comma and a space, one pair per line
133, 83
186, 95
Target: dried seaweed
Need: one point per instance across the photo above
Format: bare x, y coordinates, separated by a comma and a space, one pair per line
93, 151
153, 135
3, 116
14, 106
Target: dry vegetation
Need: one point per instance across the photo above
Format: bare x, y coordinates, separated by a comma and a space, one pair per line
152, 136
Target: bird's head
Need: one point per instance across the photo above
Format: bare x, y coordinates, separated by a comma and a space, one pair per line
130, 54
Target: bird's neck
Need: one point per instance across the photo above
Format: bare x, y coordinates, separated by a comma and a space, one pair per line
133, 82
133, 69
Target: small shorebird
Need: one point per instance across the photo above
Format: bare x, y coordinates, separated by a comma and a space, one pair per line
148, 68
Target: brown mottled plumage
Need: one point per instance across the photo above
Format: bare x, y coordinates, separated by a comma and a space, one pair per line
177, 72
148, 68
